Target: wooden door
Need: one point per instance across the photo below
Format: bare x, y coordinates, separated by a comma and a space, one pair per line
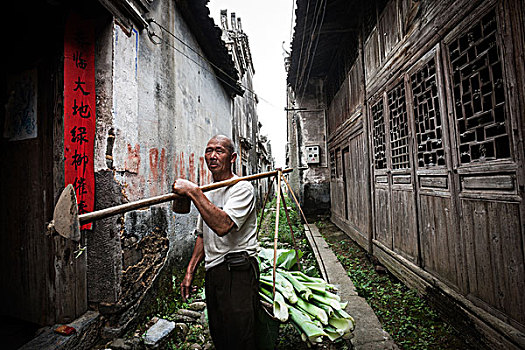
394, 198
381, 178
440, 239
357, 191
347, 170
483, 112
402, 198
338, 192
27, 200
42, 281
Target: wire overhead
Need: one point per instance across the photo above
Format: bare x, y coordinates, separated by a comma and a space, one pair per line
152, 35
291, 20
309, 45
302, 42
304, 67
315, 50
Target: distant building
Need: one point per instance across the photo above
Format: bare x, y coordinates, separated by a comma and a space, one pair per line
306, 149
265, 162
244, 124
253, 148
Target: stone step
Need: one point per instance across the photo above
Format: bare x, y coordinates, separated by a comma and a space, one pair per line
189, 313
197, 306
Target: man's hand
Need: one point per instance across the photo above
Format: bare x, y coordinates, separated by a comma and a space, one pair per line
198, 255
185, 287
214, 217
183, 187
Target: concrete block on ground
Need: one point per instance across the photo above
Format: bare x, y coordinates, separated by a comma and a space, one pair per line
197, 306
119, 344
159, 332
189, 313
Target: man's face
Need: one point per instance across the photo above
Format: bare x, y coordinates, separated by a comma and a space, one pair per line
218, 157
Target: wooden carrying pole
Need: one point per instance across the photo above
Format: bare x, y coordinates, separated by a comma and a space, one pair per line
66, 221
143, 203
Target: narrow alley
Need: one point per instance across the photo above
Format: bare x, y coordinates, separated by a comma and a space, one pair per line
361, 162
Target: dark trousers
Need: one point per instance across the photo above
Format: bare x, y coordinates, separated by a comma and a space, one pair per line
232, 300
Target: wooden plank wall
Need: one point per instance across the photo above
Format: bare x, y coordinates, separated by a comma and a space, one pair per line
358, 197
495, 266
440, 242
404, 224
463, 226
339, 110
350, 195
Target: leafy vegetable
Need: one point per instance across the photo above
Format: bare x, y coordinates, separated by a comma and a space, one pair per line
309, 303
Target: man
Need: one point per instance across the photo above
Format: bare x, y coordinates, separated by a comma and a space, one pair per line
227, 241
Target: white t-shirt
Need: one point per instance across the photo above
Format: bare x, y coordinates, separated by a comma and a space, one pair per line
238, 201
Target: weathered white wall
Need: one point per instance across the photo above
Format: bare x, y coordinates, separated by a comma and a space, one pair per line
165, 107
307, 127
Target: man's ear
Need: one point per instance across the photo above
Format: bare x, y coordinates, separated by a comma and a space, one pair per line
233, 158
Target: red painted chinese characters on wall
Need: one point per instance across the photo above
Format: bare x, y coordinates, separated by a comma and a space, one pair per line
79, 110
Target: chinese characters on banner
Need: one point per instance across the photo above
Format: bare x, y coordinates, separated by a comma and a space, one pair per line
79, 110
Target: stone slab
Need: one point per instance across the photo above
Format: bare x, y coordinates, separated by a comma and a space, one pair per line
87, 327
158, 332
368, 333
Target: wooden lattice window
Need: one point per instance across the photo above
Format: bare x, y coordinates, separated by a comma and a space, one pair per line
478, 93
429, 129
379, 135
399, 134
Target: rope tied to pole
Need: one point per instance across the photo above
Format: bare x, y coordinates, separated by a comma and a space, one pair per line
276, 236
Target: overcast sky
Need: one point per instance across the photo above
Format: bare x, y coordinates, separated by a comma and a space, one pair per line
267, 24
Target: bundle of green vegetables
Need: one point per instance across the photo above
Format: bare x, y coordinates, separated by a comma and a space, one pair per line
310, 303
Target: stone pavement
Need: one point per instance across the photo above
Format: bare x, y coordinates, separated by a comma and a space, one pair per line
368, 333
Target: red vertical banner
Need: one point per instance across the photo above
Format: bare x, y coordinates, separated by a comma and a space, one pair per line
79, 110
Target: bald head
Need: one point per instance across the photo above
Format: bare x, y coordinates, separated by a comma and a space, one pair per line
225, 141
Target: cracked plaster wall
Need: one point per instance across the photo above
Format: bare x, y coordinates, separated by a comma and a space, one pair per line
156, 110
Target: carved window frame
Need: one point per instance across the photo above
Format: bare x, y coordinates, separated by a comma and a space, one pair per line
379, 127
427, 111
472, 135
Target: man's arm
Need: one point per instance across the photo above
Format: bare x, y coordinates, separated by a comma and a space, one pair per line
196, 258
215, 218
